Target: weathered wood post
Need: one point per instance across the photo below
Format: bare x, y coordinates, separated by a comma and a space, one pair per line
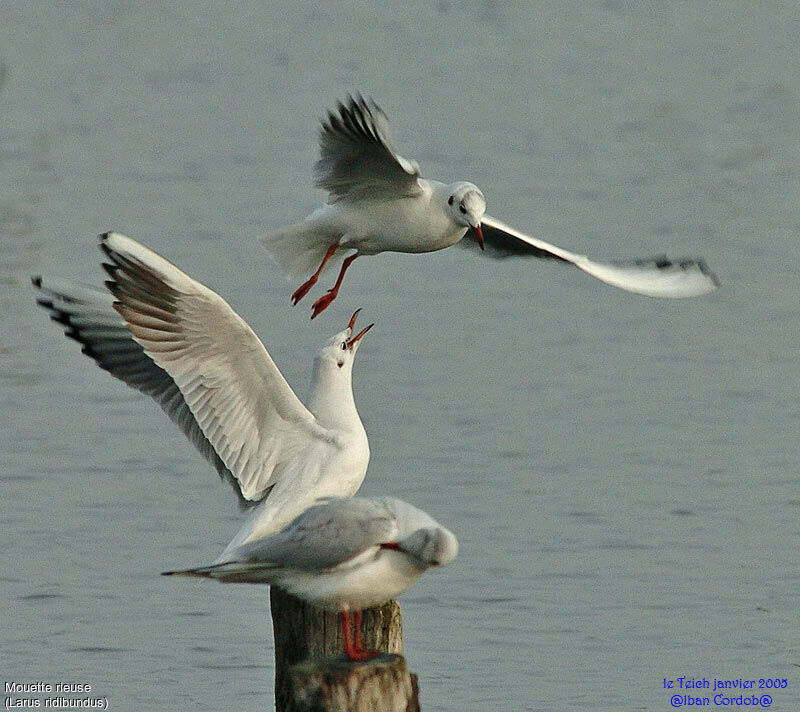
312, 674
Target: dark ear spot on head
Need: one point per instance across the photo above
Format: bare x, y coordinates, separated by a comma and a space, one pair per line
450, 200
340, 363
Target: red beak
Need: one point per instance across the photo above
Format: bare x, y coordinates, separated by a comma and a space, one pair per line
479, 234
353, 319
361, 333
358, 336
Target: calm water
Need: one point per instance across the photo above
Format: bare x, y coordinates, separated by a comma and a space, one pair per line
622, 472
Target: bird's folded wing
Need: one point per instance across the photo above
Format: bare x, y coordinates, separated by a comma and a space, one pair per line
653, 276
357, 159
239, 399
325, 536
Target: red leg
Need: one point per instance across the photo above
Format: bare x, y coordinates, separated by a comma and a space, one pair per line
357, 634
366, 653
324, 301
305, 287
352, 652
352, 644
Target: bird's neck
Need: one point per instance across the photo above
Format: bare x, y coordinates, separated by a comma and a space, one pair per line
331, 397
440, 193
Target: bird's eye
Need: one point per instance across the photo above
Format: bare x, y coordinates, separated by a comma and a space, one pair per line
450, 200
462, 209
344, 346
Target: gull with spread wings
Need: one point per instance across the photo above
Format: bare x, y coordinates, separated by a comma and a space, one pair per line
377, 202
170, 337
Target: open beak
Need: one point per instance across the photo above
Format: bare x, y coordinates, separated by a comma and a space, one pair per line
479, 234
353, 320
360, 334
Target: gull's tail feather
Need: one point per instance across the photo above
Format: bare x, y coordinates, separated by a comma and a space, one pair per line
300, 248
230, 572
203, 572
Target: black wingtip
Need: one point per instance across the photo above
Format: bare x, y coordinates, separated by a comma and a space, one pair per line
110, 269
107, 250
687, 264
354, 106
36, 281
706, 270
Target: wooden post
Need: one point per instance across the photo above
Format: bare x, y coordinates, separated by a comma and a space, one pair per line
309, 652
380, 685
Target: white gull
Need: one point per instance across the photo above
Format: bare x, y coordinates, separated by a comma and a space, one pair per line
167, 335
344, 555
377, 202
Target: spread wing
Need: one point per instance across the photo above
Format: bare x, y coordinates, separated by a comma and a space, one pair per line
357, 159
654, 276
182, 344
88, 316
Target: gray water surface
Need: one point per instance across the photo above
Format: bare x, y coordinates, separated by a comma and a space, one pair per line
622, 472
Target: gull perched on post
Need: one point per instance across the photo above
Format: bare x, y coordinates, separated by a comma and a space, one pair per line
377, 202
343, 555
172, 338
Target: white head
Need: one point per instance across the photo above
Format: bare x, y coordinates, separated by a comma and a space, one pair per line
432, 546
331, 396
420, 536
467, 206
340, 351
